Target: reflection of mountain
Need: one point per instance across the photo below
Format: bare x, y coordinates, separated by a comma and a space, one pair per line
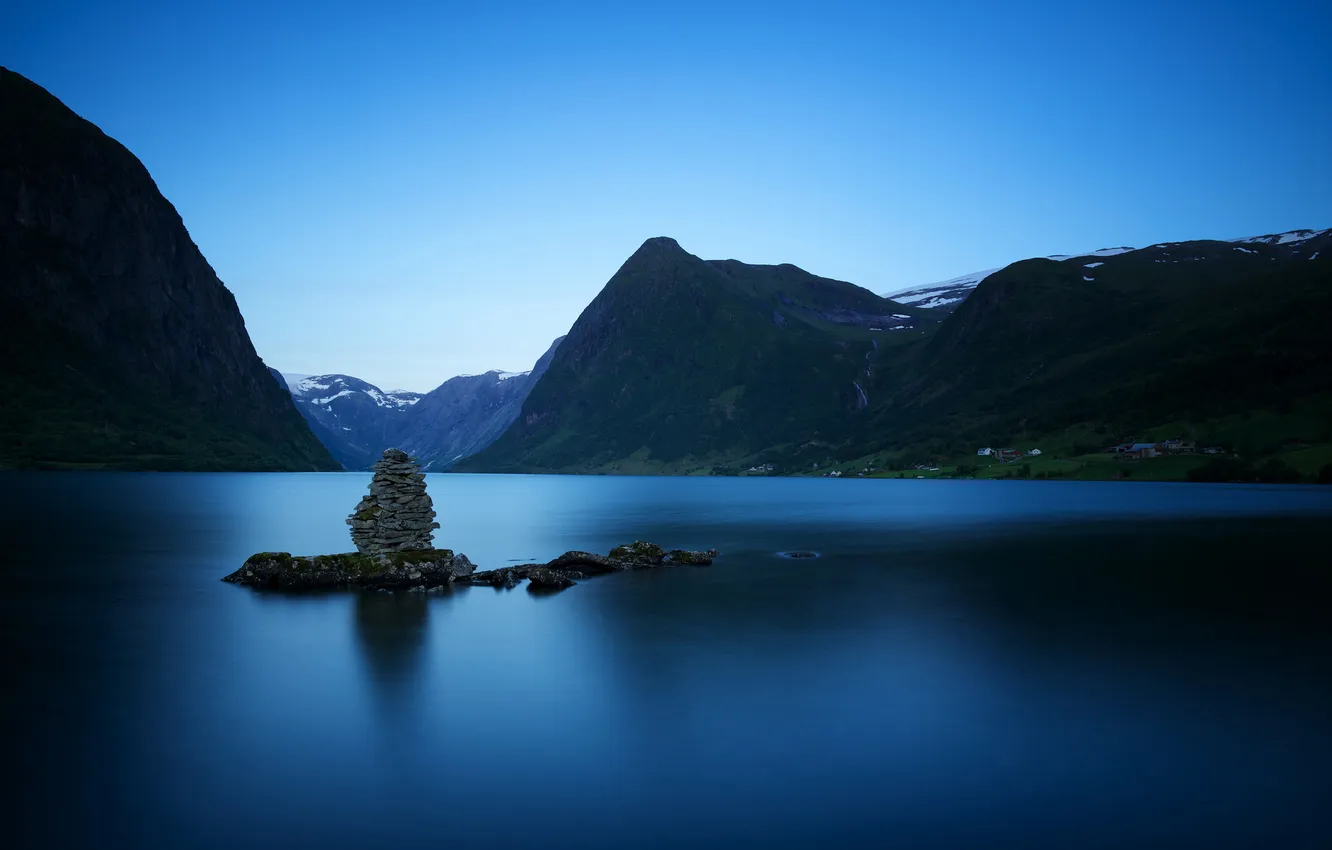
391, 629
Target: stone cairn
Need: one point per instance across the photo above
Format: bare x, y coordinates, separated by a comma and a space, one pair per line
398, 513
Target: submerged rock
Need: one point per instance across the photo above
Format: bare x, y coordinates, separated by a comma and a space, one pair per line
505, 577
405, 569
587, 562
695, 559
548, 578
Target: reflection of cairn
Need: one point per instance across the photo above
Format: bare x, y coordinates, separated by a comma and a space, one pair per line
398, 513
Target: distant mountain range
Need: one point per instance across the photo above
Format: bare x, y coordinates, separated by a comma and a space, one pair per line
122, 348
356, 420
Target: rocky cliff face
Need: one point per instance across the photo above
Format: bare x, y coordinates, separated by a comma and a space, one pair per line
122, 347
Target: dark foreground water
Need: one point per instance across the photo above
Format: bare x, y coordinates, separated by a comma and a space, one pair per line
970, 664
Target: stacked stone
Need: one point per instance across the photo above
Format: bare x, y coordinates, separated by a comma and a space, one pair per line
398, 514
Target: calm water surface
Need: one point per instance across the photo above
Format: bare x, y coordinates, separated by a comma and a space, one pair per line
999, 664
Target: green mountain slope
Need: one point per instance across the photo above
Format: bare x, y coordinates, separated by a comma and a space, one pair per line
1184, 332
681, 361
121, 347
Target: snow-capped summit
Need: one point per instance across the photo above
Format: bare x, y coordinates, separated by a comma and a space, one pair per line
497, 374
348, 415
1286, 238
292, 378
940, 294
321, 390
956, 290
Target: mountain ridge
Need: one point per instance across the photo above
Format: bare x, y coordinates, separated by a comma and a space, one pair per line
1166, 333
950, 292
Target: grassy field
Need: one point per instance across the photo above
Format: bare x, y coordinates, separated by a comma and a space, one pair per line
1309, 460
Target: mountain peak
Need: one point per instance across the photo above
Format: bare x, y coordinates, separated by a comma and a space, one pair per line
657, 247
662, 242
653, 257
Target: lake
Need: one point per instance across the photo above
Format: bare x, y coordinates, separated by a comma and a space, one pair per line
968, 663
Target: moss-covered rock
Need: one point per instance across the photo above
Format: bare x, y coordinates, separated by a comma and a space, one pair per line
639, 554
589, 563
279, 557
695, 559
422, 568
417, 568
548, 578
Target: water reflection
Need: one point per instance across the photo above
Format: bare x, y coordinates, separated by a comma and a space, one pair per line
391, 632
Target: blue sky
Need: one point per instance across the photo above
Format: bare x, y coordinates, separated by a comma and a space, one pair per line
404, 192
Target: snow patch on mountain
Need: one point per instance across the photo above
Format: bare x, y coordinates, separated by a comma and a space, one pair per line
395, 398
293, 379
1099, 252
500, 374
957, 289
941, 300
1283, 238
301, 385
936, 294
320, 390
323, 401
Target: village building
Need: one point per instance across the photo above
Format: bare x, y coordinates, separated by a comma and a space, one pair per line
1177, 447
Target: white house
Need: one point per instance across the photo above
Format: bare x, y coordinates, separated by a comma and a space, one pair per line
984, 452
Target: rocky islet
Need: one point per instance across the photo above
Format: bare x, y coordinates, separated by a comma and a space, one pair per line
392, 529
